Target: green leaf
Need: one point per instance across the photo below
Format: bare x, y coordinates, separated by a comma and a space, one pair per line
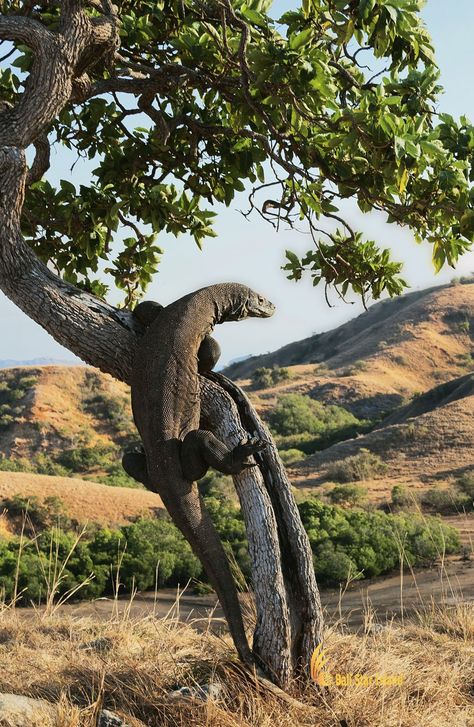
301, 39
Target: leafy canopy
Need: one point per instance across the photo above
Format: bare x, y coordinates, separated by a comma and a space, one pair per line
206, 98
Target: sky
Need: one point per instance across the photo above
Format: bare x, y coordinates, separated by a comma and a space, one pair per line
250, 252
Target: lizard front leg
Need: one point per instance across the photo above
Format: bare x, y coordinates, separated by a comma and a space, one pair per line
201, 449
134, 464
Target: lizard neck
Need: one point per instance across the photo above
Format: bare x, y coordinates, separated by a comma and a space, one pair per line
229, 301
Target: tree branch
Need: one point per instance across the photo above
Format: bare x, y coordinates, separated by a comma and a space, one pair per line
27, 31
95, 331
41, 161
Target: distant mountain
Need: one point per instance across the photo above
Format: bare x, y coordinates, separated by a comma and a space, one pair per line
8, 363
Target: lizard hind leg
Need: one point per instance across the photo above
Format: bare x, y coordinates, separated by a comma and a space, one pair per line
201, 449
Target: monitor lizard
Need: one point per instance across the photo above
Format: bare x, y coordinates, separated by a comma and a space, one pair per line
166, 409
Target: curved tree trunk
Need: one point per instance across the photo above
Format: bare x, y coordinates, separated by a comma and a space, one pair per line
288, 609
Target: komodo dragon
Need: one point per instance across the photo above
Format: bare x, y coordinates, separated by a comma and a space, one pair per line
166, 409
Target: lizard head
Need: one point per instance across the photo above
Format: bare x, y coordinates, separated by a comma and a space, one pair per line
249, 304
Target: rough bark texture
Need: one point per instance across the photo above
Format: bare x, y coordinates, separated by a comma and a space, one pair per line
294, 556
272, 636
288, 609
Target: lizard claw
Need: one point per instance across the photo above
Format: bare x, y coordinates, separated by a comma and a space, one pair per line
248, 447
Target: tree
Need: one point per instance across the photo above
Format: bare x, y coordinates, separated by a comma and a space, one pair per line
182, 103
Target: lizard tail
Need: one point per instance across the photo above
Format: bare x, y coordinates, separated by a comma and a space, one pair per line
190, 515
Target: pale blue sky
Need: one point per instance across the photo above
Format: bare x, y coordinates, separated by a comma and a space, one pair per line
251, 253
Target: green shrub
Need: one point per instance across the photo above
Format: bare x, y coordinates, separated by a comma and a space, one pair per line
18, 464
446, 502
44, 465
361, 466
37, 516
112, 409
368, 543
264, 378
401, 498
465, 483
289, 456
345, 543
83, 459
347, 494
297, 414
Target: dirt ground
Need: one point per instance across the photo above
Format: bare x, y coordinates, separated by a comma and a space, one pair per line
361, 604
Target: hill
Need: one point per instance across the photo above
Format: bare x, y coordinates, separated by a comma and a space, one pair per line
83, 501
400, 371
65, 420
404, 367
48, 409
379, 360
426, 443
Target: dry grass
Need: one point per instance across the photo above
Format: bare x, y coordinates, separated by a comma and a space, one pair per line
131, 666
85, 501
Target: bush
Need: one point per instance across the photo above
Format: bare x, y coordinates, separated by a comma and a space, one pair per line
116, 477
36, 516
297, 414
466, 482
289, 456
347, 495
368, 543
15, 465
345, 543
112, 409
264, 378
448, 502
400, 498
83, 459
361, 466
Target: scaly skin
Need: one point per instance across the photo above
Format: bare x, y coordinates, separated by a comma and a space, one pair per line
166, 407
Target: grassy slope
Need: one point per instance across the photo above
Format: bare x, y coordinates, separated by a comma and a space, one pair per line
430, 449
406, 346
416, 345
83, 501
60, 411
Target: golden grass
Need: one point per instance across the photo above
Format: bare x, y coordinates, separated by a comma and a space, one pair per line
131, 666
83, 500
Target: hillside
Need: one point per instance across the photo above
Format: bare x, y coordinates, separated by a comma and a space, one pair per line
402, 367
65, 421
379, 360
83, 501
405, 366
426, 443
49, 409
